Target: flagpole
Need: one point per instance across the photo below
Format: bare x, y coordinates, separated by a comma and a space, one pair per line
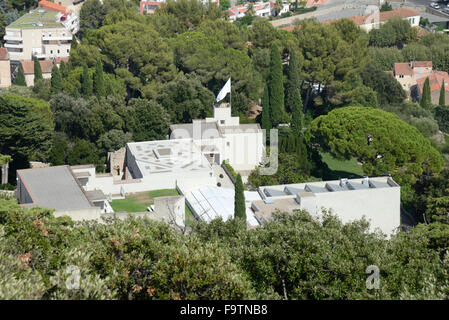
230, 92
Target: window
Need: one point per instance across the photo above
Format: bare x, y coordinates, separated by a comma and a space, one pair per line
222, 122
228, 143
58, 51
68, 50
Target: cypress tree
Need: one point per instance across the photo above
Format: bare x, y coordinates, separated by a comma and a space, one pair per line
426, 99
56, 80
74, 43
37, 70
86, 83
442, 101
63, 69
99, 89
239, 200
20, 78
293, 95
276, 87
266, 121
76, 93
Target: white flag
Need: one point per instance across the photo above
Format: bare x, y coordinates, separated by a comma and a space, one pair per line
224, 91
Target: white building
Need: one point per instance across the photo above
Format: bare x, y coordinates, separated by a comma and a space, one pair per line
261, 9
40, 34
374, 20
377, 199
222, 137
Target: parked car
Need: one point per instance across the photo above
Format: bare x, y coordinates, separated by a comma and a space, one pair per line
446, 10
434, 5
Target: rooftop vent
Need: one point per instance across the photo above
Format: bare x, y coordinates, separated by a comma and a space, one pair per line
365, 181
343, 182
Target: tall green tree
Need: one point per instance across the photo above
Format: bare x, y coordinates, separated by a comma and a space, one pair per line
293, 93
265, 119
426, 99
86, 82
361, 132
239, 200
99, 88
442, 101
19, 80
276, 86
37, 70
56, 80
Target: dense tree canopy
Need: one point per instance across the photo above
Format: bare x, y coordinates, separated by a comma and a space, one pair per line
378, 139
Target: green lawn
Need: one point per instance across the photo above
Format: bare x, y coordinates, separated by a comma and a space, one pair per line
342, 168
138, 202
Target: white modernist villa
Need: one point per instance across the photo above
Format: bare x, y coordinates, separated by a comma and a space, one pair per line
222, 137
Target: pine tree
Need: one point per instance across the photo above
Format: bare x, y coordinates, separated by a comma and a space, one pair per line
56, 80
276, 87
293, 99
239, 200
99, 88
442, 101
20, 78
86, 83
426, 99
37, 70
266, 121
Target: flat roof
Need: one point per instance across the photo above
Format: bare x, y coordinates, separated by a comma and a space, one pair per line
207, 130
37, 19
55, 188
343, 185
153, 157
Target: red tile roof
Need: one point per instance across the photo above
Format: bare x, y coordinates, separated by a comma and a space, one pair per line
51, 6
383, 16
28, 66
4, 54
435, 81
403, 68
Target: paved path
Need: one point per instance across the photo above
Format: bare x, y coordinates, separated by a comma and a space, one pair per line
225, 181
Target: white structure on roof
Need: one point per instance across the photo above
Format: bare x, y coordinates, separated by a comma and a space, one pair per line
208, 203
159, 164
222, 137
378, 199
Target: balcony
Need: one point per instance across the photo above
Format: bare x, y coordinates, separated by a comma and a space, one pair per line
55, 38
12, 37
14, 45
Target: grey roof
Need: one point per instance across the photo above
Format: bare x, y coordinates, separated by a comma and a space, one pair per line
274, 192
244, 127
54, 187
291, 190
184, 131
95, 195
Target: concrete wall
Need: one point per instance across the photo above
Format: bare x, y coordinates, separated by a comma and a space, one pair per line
172, 208
29, 78
81, 214
5, 74
381, 206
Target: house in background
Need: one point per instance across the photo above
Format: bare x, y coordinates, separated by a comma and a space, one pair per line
28, 70
436, 80
40, 34
5, 68
66, 16
149, 7
412, 75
